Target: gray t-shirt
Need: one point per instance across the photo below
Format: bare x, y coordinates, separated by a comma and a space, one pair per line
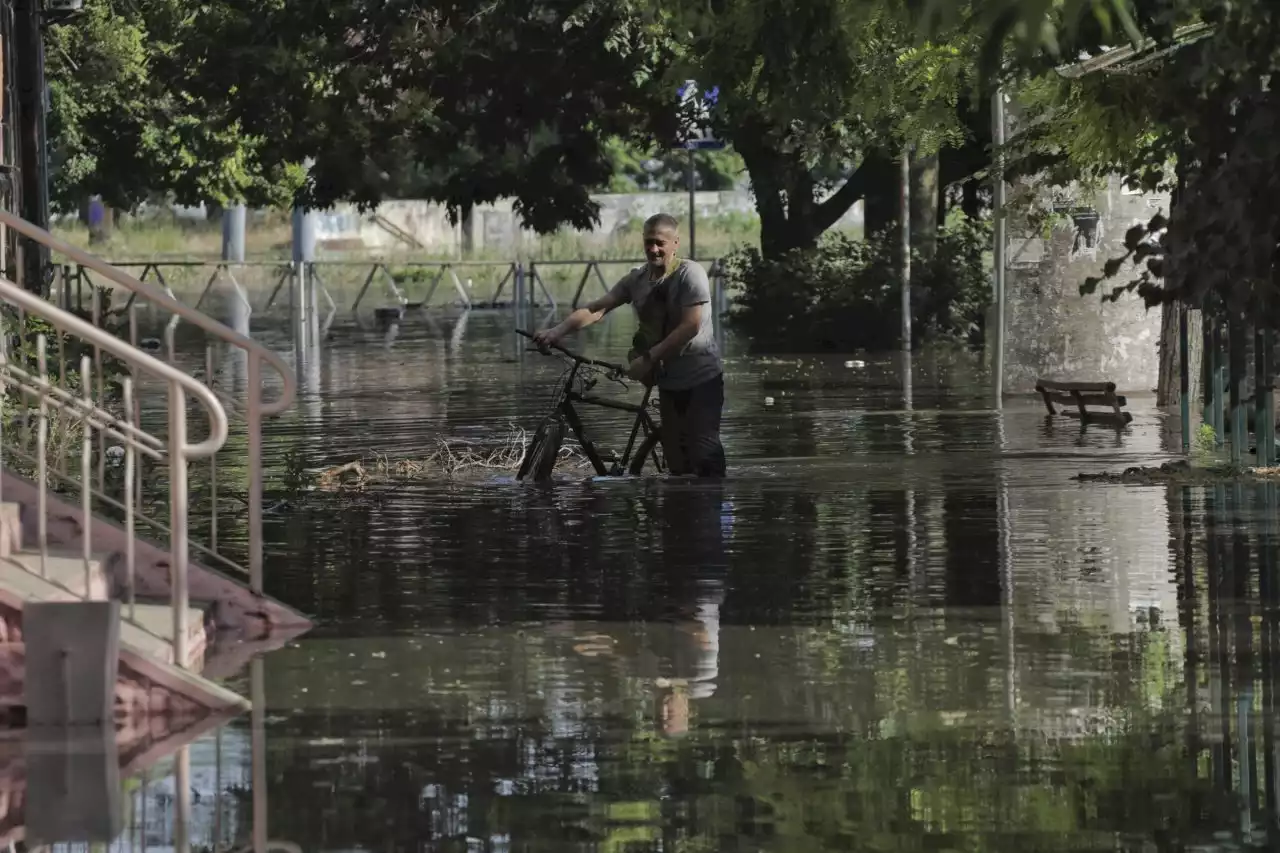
659, 310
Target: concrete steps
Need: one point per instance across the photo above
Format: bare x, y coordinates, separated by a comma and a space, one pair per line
146, 629
234, 607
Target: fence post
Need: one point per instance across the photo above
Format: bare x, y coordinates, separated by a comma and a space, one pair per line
1236, 377
1264, 427
1184, 378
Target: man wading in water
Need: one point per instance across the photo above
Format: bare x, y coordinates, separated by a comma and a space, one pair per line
674, 348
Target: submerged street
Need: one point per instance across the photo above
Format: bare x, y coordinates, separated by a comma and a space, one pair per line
891, 627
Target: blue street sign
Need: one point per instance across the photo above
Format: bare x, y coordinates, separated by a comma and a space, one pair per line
695, 110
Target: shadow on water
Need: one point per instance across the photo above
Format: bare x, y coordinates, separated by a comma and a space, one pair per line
888, 629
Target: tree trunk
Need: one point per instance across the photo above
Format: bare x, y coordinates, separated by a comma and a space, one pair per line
971, 201
468, 229
1169, 385
790, 215
924, 205
880, 207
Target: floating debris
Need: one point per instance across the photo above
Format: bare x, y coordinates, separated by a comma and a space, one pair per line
450, 458
1180, 472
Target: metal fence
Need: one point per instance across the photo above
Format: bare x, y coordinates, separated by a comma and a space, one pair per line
404, 285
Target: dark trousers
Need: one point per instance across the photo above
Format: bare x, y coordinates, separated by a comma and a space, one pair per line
691, 429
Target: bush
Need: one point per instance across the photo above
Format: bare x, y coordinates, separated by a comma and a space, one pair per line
846, 295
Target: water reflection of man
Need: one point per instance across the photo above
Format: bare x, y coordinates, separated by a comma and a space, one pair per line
673, 646
692, 656
682, 649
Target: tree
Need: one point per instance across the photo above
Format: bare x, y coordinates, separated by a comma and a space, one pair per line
472, 101
1206, 122
273, 103
122, 125
818, 98
1217, 246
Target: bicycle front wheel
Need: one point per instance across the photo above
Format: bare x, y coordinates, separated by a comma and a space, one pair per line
540, 457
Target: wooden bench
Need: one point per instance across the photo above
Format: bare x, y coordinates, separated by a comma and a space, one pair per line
1080, 396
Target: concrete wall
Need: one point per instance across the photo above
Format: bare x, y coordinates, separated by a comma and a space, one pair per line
496, 227
1052, 331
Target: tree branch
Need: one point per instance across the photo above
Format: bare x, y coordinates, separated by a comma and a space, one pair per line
829, 212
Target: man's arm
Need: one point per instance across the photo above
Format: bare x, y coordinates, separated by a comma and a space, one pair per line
685, 330
592, 312
694, 297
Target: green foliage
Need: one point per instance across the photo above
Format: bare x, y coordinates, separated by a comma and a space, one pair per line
1192, 112
469, 102
270, 102
1034, 33
123, 124
845, 294
1218, 145
815, 97
1086, 128
62, 365
635, 169
1206, 440
478, 101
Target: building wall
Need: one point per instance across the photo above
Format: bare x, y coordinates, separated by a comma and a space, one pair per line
1052, 331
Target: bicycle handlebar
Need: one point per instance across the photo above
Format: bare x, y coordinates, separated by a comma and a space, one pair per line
581, 359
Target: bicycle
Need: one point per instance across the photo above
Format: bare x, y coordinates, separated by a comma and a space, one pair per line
574, 387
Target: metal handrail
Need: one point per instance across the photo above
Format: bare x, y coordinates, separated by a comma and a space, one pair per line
68, 322
179, 450
158, 296
256, 408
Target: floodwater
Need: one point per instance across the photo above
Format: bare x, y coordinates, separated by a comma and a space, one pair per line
898, 625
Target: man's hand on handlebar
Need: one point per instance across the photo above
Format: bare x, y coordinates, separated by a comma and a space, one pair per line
640, 369
547, 337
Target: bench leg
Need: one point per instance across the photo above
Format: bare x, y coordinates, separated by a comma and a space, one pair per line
1084, 412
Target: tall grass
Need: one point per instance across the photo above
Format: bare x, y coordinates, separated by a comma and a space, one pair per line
268, 238
163, 238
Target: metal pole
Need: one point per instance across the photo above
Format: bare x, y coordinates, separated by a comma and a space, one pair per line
1184, 378
1264, 430
1268, 394
182, 801
905, 199
233, 223
693, 214
178, 541
1218, 378
258, 752
253, 423
998, 250
304, 246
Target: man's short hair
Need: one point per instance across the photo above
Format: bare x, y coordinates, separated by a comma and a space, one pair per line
661, 220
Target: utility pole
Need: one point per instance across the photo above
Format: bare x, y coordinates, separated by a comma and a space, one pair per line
693, 204
904, 199
998, 249
32, 154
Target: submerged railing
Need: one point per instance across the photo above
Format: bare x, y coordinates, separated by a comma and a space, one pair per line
93, 418
108, 285
403, 284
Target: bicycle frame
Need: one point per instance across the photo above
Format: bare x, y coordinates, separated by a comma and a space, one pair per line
567, 396
643, 420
